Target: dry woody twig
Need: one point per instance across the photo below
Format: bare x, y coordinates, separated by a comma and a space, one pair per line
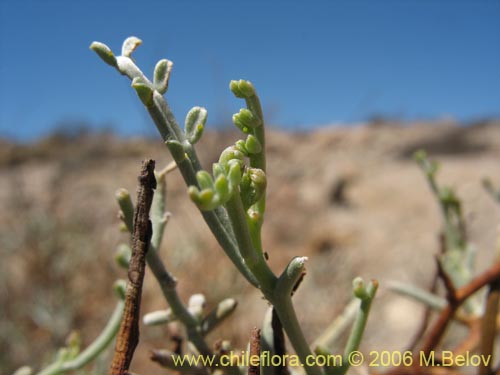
128, 335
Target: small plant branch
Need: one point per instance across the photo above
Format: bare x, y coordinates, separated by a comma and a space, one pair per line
167, 282
128, 335
423, 296
182, 151
232, 202
456, 297
366, 293
255, 262
491, 189
92, 351
282, 303
337, 328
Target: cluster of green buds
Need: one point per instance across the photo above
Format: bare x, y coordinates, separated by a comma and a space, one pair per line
231, 174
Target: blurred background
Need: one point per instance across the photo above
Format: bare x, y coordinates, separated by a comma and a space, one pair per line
350, 90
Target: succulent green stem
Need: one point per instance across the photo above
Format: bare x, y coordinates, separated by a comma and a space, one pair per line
282, 302
337, 328
367, 296
429, 299
255, 262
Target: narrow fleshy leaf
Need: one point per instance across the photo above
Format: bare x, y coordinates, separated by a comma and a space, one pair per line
177, 151
162, 75
120, 287
126, 207
104, 52
196, 305
129, 45
123, 255
195, 124
144, 91
159, 317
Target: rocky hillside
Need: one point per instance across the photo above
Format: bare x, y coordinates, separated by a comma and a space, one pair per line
351, 199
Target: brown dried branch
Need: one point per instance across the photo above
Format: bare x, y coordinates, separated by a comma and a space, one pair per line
455, 299
253, 367
128, 335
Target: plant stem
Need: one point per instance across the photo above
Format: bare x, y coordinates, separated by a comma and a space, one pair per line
253, 261
93, 350
282, 302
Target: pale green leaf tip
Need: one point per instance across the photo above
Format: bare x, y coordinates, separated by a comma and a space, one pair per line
104, 52
162, 75
129, 45
122, 194
195, 124
143, 90
158, 317
123, 255
120, 287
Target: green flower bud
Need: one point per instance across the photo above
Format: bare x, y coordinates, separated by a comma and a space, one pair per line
240, 146
206, 196
129, 45
195, 124
253, 145
249, 118
162, 74
194, 194
237, 122
204, 199
204, 180
217, 170
230, 153
242, 88
222, 188
143, 90
104, 52
234, 175
253, 186
359, 289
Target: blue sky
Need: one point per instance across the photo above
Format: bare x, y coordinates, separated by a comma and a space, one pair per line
313, 63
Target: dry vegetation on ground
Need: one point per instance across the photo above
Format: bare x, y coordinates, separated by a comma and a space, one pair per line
354, 201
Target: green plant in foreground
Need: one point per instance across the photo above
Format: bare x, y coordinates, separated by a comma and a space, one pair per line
232, 200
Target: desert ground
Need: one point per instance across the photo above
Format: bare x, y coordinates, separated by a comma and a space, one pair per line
351, 199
